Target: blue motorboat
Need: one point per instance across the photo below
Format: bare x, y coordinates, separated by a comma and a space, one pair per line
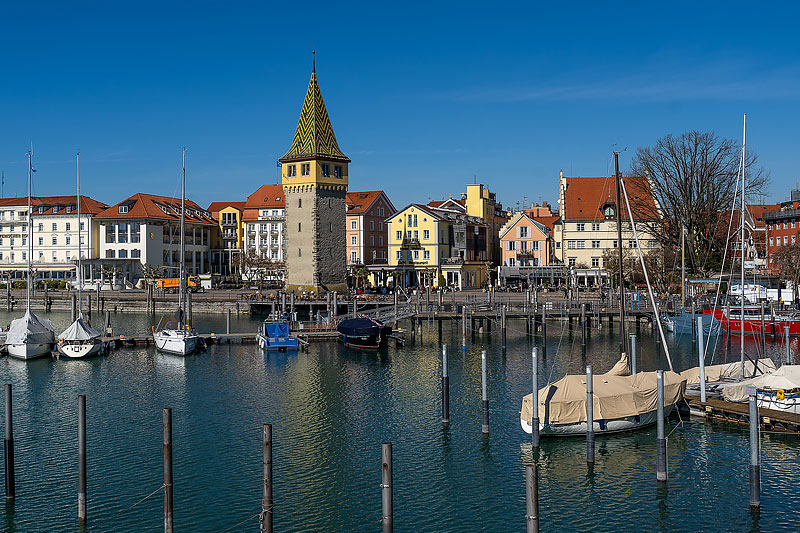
276, 336
683, 323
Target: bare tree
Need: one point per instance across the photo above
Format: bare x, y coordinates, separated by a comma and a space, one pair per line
787, 262
694, 179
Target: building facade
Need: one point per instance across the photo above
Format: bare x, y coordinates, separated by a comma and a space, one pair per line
227, 239
431, 247
588, 225
782, 228
55, 234
145, 229
314, 178
480, 202
265, 222
525, 242
367, 235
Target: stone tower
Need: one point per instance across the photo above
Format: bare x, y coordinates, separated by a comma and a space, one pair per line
314, 179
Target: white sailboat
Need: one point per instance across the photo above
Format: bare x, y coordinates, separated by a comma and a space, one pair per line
79, 339
30, 336
174, 335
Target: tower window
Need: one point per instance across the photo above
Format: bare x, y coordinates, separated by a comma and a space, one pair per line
291, 171
326, 170
299, 226
299, 203
337, 171
305, 169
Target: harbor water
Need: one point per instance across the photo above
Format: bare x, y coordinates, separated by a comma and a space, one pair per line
332, 407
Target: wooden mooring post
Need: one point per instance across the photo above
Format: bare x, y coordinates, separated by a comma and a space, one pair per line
228, 321
167, 470
532, 497
387, 503
266, 517
82, 459
8, 446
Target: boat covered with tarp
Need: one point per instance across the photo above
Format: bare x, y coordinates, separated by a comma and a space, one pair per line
276, 336
778, 390
363, 332
80, 340
30, 336
621, 401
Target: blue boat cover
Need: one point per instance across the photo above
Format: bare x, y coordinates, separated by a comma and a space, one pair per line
275, 329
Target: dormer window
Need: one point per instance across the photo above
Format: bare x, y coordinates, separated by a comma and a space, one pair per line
123, 209
608, 211
41, 209
55, 209
68, 209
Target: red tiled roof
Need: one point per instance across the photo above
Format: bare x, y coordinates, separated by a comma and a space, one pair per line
359, 202
439, 203
88, 204
216, 207
584, 197
547, 221
150, 206
269, 195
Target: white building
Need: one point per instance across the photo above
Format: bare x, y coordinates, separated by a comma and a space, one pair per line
264, 220
145, 229
55, 234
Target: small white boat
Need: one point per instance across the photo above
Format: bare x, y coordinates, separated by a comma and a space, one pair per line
30, 337
80, 340
176, 338
778, 390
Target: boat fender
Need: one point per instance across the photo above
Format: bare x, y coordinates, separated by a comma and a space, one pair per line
781, 394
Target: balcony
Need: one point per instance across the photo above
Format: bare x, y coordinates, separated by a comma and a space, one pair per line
785, 213
453, 261
411, 242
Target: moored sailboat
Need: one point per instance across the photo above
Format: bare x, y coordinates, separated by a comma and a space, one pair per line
30, 336
175, 336
79, 339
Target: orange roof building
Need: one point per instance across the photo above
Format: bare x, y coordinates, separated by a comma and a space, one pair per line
367, 234
265, 222
55, 233
145, 229
588, 227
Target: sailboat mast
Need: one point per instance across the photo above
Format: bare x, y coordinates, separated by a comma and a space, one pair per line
78, 195
29, 247
619, 247
683, 267
183, 196
741, 318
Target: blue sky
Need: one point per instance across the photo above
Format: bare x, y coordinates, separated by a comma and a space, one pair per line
423, 96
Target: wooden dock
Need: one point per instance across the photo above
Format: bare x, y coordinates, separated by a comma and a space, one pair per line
738, 413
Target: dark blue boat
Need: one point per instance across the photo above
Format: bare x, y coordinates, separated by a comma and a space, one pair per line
363, 332
276, 336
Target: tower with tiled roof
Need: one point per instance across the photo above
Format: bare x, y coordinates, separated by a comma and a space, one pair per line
314, 180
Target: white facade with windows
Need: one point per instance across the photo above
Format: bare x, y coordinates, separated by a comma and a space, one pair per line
266, 234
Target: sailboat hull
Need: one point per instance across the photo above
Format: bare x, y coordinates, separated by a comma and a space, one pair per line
29, 350
176, 342
81, 350
617, 425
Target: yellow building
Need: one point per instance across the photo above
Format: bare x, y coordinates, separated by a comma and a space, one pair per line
430, 247
227, 239
482, 203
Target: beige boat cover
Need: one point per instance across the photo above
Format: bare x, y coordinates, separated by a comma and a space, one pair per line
786, 377
564, 402
728, 370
